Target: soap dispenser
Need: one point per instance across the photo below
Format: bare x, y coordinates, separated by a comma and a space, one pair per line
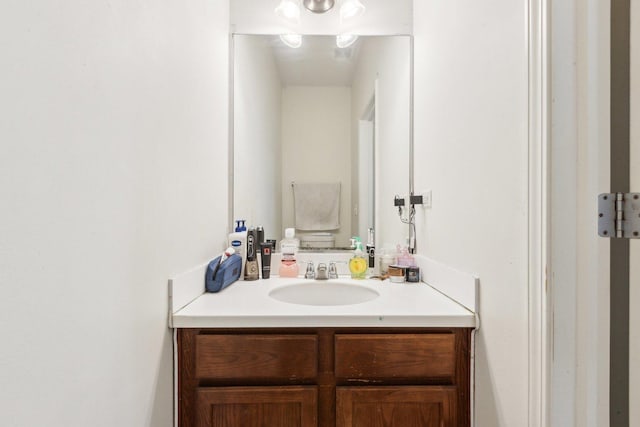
358, 263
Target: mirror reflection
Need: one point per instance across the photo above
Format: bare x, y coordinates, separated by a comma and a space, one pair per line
321, 137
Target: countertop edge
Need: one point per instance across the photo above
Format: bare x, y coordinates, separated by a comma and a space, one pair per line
441, 321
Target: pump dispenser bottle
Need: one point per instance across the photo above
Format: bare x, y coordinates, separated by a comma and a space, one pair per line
358, 263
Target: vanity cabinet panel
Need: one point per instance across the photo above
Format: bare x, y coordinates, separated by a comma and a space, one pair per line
396, 406
410, 357
356, 377
292, 406
255, 357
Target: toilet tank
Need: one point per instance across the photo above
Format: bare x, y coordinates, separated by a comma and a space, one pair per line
321, 241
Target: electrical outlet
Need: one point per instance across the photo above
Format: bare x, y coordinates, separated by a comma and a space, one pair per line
426, 198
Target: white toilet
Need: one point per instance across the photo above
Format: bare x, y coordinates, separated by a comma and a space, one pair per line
317, 213
317, 240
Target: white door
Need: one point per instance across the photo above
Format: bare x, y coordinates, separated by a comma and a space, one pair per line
634, 279
583, 86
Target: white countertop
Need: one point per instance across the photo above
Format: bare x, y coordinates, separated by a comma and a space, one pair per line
248, 305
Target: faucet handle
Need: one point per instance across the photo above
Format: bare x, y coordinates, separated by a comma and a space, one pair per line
333, 270
311, 273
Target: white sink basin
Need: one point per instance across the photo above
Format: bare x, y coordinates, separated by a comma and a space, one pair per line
324, 292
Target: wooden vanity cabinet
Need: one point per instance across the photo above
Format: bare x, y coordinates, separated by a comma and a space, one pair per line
325, 377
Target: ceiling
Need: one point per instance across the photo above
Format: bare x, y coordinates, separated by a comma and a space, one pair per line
318, 62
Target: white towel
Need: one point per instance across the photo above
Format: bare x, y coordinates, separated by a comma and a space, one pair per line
317, 206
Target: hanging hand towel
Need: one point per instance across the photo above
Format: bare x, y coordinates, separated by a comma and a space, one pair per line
316, 206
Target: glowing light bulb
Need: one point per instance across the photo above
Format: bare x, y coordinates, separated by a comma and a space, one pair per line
289, 10
350, 9
345, 40
292, 40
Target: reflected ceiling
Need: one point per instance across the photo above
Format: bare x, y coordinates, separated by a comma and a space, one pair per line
318, 62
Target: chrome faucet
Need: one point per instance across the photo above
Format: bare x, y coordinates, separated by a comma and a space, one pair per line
321, 273
310, 273
333, 270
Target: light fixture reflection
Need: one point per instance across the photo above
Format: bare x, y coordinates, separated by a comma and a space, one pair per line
345, 40
289, 10
318, 6
292, 40
350, 9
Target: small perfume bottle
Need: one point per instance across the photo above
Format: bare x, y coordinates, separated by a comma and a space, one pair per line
405, 258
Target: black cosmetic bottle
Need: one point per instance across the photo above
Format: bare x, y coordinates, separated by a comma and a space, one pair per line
265, 259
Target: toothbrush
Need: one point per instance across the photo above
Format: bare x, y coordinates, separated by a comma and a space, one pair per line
226, 254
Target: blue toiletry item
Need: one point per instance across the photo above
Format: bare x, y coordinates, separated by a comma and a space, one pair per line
219, 276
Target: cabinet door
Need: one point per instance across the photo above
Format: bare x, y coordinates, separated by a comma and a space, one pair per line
257, 407
402, 406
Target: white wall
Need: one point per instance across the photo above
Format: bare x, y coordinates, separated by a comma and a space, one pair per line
256, 139
471, 143
113, 114
387, 59
316, 127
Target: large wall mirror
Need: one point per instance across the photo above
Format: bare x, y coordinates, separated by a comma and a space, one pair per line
321, 137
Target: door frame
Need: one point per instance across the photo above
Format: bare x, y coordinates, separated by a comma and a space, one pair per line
538, 195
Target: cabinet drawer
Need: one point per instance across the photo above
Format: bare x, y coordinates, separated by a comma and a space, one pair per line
391, 356
272, 357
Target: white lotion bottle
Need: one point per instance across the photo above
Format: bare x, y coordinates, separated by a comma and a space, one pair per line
238, 240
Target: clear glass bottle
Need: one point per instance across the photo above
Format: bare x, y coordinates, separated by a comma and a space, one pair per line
387, 258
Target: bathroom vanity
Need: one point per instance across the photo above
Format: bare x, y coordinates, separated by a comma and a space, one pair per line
246, 357
307, 377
